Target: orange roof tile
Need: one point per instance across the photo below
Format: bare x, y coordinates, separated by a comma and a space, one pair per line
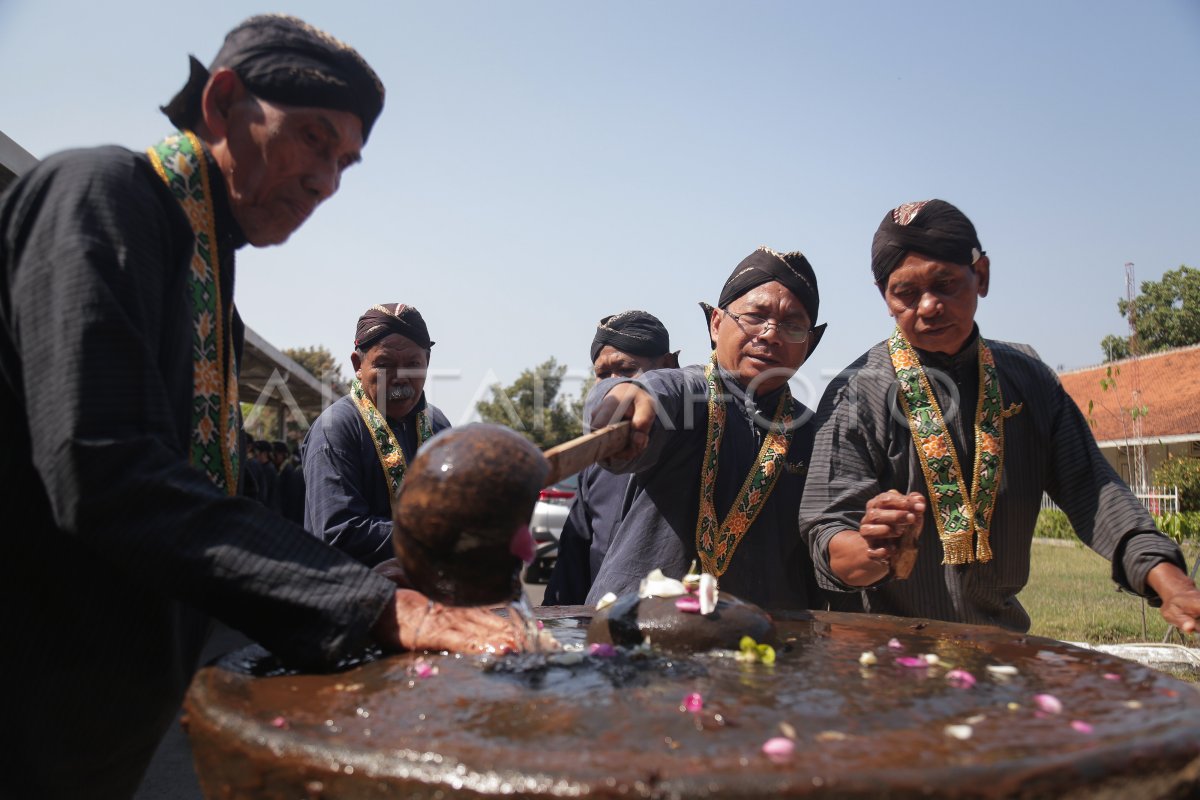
1170, 390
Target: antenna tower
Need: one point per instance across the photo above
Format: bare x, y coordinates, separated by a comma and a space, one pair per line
1138, 478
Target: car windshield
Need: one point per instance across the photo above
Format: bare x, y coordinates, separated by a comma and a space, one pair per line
568, 484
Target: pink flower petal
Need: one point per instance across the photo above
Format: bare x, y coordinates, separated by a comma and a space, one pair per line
601, 650
693, 703
1111, 676
279, 722
522, 545
895, 644
911, 662
960, 678
1081, 726
423, 669
778, 748
1048, 703
688, 604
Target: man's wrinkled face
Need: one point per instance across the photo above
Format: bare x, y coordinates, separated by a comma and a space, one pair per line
934, 302
392, 373
613, 363
280, 162
762, 361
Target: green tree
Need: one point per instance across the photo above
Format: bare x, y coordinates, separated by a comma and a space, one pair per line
535, 407
321, 363
1184, 473
318, 361
1167, 315
1115, 347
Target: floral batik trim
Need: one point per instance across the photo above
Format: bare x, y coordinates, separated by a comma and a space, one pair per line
179, 161
716, 541
387, 447
963, 519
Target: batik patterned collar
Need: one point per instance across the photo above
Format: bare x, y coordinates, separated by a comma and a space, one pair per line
963, 518
716, 541
179, 160
387, 447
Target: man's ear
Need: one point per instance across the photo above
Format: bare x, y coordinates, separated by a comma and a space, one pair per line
356, 362
982, 269
222, 92
714, 324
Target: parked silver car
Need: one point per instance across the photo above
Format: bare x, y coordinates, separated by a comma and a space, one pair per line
549, 516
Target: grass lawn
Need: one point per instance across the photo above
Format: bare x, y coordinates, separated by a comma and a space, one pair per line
1071, 596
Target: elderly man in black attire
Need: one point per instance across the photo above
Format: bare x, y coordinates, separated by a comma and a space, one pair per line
940, 432
120, 425
355, 454
625, 345
718, 452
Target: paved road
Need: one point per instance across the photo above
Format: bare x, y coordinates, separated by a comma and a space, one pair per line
171, 776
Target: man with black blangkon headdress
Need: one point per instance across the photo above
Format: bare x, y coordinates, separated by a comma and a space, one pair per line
356, 453
120, 424
719, 451
943, 433
624, 345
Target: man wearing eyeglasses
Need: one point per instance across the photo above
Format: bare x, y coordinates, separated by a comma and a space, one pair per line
719, 451
941, 429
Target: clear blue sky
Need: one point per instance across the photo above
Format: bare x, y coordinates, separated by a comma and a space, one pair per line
541, 164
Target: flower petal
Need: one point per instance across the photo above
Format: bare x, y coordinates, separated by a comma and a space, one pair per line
912, 662
658, 585
778, 748
1048, 703
693, 702
688, 604
708, 593
960, 678
601, 650
961, 732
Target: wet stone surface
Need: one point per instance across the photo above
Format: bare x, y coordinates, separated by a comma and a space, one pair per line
686, 726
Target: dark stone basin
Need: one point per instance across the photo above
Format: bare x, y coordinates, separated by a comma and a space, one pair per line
522, 726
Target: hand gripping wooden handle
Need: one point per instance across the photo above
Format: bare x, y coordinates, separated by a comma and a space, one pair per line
570, 457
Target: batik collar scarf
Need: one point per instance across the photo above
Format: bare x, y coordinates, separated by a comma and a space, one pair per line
717, 541
179, 160
963, 518
387, 447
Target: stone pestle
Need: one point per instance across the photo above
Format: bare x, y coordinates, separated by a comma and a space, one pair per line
463, 512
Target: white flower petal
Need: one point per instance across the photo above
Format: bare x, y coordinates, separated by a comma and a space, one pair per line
962, 732
708, 593
658, 585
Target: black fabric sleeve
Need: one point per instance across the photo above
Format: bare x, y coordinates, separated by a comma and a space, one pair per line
95, 309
